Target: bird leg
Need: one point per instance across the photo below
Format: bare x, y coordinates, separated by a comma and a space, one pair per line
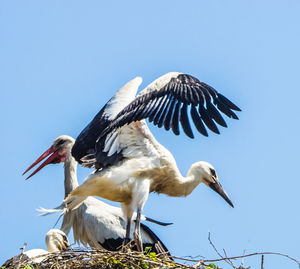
140, 196
127, 210
127, 236
137, 231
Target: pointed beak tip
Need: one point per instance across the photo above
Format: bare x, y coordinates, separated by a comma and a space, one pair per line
42, 157
228, 201
26, 170
217, 187
28, 177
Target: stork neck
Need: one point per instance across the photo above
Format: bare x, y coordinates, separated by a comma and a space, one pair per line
191, 182
71, 181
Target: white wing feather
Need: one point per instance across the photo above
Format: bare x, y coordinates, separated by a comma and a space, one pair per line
159, 83
122, 98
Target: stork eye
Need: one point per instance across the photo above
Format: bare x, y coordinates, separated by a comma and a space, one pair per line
213, 172
60, 142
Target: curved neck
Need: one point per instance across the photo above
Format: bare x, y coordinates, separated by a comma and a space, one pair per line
174, 184
71, 182
183, 186
191, 181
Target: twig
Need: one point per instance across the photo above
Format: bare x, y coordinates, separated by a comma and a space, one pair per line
241, 256
193, 257
224, 259
23, 248
22, 253
242, 261
229, 259
80, 258
255, 254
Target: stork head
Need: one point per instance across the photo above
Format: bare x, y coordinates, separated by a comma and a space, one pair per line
59, 151
208, 175
56, 240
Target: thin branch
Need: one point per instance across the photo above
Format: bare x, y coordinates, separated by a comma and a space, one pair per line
23, 248
229, 259
224, 259
257, 253
240, 257
242, 261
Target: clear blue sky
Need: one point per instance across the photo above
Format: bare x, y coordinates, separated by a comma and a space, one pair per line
60, 61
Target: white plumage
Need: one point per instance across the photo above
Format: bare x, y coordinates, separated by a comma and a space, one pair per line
130, 163
56, 241
94, 222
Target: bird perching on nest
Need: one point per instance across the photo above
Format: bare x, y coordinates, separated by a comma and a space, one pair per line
94, 222
129, 161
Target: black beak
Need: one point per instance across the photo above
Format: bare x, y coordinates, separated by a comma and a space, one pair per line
217, 187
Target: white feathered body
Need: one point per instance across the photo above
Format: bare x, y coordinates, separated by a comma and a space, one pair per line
94, 221
147, 167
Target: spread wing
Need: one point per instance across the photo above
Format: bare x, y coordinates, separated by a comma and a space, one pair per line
84, 147
166, 102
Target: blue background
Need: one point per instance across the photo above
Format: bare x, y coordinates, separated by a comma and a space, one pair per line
60, 61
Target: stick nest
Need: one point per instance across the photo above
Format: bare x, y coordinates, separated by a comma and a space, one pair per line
93, 258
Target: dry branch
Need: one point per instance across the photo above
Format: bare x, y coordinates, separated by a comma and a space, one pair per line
94, 258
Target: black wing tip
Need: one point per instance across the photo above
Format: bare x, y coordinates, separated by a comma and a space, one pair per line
214, 129
168, 107
217, 132
158, 222
176, 133
188, 134
226, 101
235, 117
236, 108
167, 224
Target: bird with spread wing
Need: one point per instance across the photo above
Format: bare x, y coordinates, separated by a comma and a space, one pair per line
129, 161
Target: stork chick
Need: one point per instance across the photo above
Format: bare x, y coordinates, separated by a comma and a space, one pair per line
56, 241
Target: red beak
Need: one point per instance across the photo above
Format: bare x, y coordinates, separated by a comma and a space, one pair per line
54, 158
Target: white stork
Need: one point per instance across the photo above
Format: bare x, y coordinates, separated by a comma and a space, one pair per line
94, 222
130, 162
56, 241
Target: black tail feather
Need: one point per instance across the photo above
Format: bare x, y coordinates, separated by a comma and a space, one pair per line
158, 222
159, 246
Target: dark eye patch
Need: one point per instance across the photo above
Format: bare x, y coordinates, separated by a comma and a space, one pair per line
213, 172
60, 142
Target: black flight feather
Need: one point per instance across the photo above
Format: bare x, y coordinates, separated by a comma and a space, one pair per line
184, 120
166, 106
167, 123
198, 122
175, 127
164, 112
207, 120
